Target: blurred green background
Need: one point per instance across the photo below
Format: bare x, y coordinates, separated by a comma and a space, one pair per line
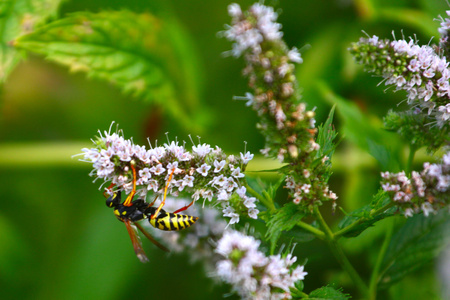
57, 238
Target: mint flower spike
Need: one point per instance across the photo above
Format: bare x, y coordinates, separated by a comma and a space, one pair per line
252, 274
418, 70
287, 125
425, 192
193, 171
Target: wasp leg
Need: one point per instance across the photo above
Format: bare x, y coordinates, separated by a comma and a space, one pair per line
184, 208
151, 204
133, 191
165, 194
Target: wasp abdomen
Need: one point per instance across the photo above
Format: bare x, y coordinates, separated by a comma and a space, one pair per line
172, 222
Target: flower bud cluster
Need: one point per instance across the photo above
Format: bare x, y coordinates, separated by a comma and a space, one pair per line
308, 189
288, 127
252, 274
418, 70
427, 191
204, 172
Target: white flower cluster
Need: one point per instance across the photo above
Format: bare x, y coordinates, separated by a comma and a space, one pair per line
249, 32
252, 274
445, 26
427, 191
425, 78
205, 172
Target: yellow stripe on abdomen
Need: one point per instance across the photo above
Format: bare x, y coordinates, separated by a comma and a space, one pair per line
173, 222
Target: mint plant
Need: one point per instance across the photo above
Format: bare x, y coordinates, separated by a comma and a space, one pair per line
242, 219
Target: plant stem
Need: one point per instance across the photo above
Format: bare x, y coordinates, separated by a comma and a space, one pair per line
412, 152
340, 255
317, 232
266, 202
375, 277
373, 213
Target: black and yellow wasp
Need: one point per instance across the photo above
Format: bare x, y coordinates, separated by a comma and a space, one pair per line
131, 211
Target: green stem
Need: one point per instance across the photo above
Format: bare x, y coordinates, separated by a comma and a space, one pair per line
375, 277
339, 254
373, 213
265, 201
317, 232
412, 152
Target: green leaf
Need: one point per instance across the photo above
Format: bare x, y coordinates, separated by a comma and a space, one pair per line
363, 215
328, 292
145, 56
326, 135
271, 191
325, 138
283, 220
417, 243
365, 131
18, 17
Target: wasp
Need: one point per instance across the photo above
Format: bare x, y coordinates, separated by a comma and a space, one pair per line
130, 212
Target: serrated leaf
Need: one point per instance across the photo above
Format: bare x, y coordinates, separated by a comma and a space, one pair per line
363, 215
143, 55
283, 220
325, 138
384, 146
328, 292
273, 187
18, 17
419, 241
326, 135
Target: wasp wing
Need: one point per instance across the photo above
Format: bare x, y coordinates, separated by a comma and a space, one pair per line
157, 244
136, 241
